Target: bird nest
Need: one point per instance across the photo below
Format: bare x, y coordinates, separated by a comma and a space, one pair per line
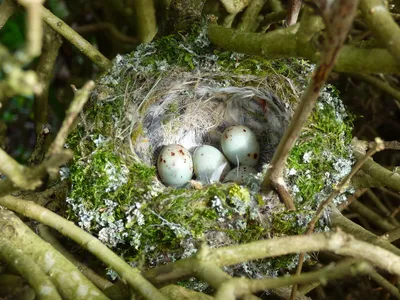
180, 91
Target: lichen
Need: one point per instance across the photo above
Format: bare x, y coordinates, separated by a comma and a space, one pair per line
117, 196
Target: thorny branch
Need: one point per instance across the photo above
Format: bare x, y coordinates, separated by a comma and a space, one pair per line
342, 14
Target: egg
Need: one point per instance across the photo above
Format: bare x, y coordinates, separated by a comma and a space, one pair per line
209, 164
240, 174
175, 165
240, 146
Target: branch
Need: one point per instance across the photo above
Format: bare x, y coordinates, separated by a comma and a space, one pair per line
238, 287
44, 70
282, 43
23, 264
371, 216
64, 275
101, 26
382, 25
81, 97
126, 272
380, 84
337, 242
22, 178
293, 12
99, 281
75, 39
386, 177
234, 6
34, 28
7, 9
336, 191
145, 20
250, 18
342, 15
348, 226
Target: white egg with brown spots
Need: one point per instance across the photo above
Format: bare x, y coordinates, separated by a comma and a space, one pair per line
240, 146
175, 165
209, 164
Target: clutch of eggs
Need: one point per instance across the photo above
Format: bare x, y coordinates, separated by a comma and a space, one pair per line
175, 164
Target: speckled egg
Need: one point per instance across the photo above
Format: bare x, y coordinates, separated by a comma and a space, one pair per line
209, 164
240, 174
240, 146
175, 165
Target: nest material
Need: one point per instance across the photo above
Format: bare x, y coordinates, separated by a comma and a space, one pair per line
194, 109
136, 109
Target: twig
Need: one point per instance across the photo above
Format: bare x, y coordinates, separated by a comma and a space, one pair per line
16, 172
271, 18
284, 43
34, 27
342, 15
385, 284
7, 9
293, 12
380, 84
249, 21
209, 272
37, 279
146, 20
75, 39
389, 145
337, 242
101, 26
234, 7
81, 96
44, 70
98, 281
386, 177
382, 25
240, 286
371, 216
70, 283
28, 178
131, 275
337, 191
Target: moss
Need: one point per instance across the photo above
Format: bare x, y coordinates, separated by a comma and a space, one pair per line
322, 156
120, 199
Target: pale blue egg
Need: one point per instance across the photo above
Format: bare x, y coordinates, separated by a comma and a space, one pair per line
240, 146
175, 165
209, 164
240, 174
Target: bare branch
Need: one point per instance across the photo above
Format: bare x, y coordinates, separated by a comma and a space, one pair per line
342, 15
37, 279
34, 27
64, 275
81, 96
7, 9
97, 280
30, 178
238, 287
75, 39
131, 275
381, 23
146, 20
293, 12
44, 70
337, 190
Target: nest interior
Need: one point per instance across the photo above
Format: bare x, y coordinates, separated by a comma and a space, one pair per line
180, 90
